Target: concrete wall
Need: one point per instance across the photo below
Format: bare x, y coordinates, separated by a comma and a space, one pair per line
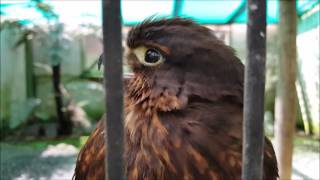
12, 74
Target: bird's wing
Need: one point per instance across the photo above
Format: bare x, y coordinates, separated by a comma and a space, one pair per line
215, 132
269, 161
90, 162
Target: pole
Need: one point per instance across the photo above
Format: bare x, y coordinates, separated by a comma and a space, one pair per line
285, 105
253, 133
114, 90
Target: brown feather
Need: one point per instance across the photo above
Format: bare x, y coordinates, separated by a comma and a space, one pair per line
183, 118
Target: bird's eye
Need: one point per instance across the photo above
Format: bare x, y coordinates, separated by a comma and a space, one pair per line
152, 56
148, 56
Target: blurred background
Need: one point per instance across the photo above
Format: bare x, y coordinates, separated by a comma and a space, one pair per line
52, 93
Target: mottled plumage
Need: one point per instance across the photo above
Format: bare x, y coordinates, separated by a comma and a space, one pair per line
183, 108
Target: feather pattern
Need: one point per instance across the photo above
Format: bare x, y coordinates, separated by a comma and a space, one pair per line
183, 118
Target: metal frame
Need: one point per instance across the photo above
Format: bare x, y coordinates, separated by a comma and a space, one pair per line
253, 133
114, 89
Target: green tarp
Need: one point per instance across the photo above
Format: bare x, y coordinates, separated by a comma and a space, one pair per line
134, 11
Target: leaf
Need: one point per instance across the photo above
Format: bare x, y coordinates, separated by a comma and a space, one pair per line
23, 37
21, 111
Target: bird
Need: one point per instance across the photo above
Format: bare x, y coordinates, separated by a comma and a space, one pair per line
183, 108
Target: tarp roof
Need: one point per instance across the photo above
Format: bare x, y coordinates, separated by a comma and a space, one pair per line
134, 11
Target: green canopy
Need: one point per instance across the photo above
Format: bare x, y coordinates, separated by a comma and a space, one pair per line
135, 11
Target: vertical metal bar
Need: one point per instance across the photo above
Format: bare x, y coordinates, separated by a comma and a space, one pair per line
114, 90
177, 7
253, 132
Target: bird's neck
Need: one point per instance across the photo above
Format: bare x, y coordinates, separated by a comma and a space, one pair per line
147, 141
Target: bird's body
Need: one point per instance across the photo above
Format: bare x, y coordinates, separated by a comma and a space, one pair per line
183, 108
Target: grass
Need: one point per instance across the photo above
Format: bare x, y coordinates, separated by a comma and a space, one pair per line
78, 142
306, 144
24, 157
301, 143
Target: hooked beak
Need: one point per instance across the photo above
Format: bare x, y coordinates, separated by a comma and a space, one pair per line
100, 61
101, 58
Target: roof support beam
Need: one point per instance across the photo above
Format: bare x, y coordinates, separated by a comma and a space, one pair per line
238, 12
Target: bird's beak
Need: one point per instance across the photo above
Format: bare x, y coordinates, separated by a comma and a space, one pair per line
100, 61
101, 58
126, 76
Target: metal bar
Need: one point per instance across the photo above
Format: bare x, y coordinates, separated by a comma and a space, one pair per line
253, 132
114, 89
177, 7
238, 12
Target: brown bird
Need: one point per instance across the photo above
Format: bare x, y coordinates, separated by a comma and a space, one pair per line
183, 108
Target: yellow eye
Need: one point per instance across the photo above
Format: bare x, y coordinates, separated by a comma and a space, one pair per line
148, 56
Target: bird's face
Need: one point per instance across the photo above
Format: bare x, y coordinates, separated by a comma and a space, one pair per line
181, 59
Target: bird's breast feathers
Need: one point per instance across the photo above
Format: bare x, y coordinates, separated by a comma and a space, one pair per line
157, 138
154, 151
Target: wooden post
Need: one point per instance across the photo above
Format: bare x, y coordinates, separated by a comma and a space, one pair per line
285, 105
253, 133
112, 57
30, 79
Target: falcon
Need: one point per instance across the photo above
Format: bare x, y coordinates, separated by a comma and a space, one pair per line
183, 108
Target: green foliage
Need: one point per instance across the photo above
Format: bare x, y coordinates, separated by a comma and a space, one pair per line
9, 24
89, 95
78, 142
22, 112
306, 143
54, 40
46, 111
86, 94
45, 9
25, 35
57, 44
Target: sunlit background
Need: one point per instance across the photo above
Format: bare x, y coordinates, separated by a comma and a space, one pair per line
37, 35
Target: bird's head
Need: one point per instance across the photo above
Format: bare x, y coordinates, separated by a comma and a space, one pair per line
182, 59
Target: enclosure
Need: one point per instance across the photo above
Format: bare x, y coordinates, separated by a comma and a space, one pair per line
51, 47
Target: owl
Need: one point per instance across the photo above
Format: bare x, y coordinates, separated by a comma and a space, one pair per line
183, 108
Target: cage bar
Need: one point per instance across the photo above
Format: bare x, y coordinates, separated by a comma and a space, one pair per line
114, 89
253, 132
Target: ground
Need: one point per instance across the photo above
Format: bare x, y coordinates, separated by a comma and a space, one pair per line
306, 159
55, 159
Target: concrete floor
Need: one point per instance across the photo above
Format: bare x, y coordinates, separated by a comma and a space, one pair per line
57, 163
306, 166
54, 163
